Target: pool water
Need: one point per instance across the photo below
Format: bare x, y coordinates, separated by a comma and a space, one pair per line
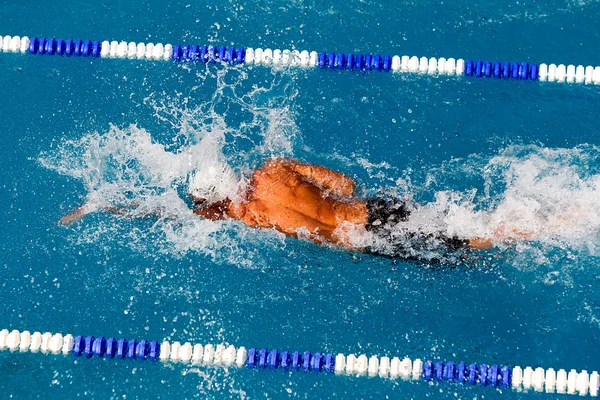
475, 153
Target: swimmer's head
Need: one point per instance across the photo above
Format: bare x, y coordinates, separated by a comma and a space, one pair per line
212, 183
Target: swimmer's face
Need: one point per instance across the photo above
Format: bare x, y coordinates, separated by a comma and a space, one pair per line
205, 197
199, 202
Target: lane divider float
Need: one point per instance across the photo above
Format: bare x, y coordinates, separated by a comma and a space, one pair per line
194, 53
222, 355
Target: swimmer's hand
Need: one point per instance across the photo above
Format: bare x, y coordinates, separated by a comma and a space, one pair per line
76, 215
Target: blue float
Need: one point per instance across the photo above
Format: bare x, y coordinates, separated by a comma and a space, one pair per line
461, 372
131, 347
176, 53
493, 374
141, 350
194, 53
483, 374
377, 62
78, 346
230, 55
428, 370
350, 61
99, 346
359, 61
322, 60
534, 71
497, 70
479, 68
469, 68
222, 53
86, 48
204, 54
515, 70
306, 358
87, 347
387, 63
212, 54
296, 360
240, 55
262, 358
330, 60
329, 365
284, 359
506, 70
60, 47
121, 348
316, 362
340, 58
96, 49
368, 61
273, 358
34, 44
69, 47
439, 370
154, 352
472, 379
506, 376
185, 52
523, 71
42, 46
111, 348
77, 49
487, 69
251, 363
50, 46
449, 371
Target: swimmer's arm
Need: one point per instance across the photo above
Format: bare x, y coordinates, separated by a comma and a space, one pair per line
500, 235
481, 243
86, 209
75, 216
215, 211
338, 183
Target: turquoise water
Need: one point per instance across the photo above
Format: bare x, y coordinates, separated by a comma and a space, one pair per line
475, 152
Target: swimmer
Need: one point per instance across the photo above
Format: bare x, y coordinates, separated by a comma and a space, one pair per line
301, 199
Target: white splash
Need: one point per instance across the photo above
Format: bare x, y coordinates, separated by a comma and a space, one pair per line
546, 194
522, 194
131, 169
531, 193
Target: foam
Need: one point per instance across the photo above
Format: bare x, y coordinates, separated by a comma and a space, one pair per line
551, 195
131, 168
530, 194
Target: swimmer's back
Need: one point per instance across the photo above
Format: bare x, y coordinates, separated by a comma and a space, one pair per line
281, 197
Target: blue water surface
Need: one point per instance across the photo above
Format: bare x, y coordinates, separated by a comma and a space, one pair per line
532, 304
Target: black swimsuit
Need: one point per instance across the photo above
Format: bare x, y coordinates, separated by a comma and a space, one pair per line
383, 214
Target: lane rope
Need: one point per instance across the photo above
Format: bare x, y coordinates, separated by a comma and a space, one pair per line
221, 355
524, 71
228, 356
